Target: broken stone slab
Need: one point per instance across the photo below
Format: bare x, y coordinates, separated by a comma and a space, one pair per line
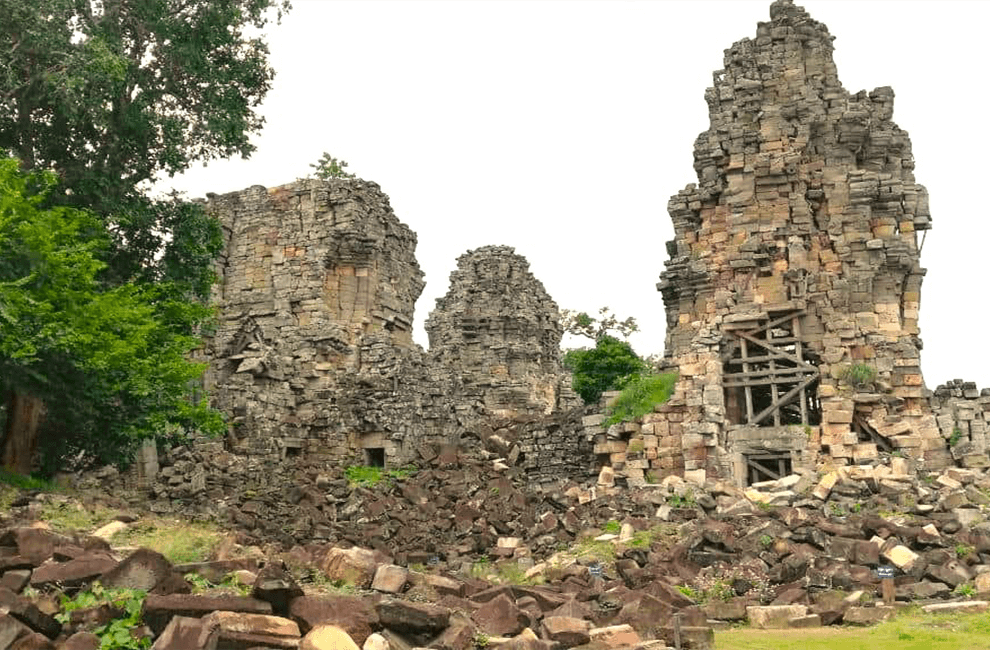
868, 615
327, 637
10, 630
186, 633
824, 487
614, 636
352, 566
406, 616
109, 530
501, 617
28, 613
969, 606
238, 629
157, 611
390, 579
356, 616
567, 631
774, 617
73, 573
275, 585
143, 570
81, 641
901, 556
459, 635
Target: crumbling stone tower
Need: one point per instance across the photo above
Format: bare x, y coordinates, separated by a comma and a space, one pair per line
499, 333
793, 284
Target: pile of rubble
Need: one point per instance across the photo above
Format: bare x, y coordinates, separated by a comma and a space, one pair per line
802, 550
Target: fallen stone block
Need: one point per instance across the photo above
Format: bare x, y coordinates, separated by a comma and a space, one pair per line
867, 615
185, 633
352, 566
567, 631
405, 616
143, 570
73, 573
390, 579
327, 637
774, 617
157, 611
356, 616
962, 606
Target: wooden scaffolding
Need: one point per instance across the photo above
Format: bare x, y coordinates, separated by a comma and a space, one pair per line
766, 366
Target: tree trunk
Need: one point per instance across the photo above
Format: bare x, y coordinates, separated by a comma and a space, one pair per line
24, 414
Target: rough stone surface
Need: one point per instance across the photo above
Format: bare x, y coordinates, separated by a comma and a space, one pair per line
804, 222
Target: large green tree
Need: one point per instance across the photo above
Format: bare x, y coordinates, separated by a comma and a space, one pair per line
111, 95
114, 93
105, 364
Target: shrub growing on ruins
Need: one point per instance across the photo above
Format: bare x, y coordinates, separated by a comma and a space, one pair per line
108, 364
328, 167
607, 366
859, 375
641, 394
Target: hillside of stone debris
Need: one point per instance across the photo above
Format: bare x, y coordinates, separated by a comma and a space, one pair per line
456, 550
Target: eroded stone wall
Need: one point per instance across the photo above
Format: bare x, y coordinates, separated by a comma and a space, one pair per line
313, 356
806, 211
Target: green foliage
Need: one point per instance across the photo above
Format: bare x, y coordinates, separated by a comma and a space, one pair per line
179, 541
681, 501
368, 476
607, 366
229, 584
955, 437
965, 590
689, 592
70, 515
766, 541
962, 550
111, 95
612, 527
328, 167
110, 363
115, 635
859, 375
22, 482
581, 324
640, 395
480, 640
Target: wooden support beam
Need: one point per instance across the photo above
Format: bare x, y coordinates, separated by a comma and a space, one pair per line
749, 392
784, 399
796, 329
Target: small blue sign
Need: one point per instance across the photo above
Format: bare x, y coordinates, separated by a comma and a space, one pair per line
595, 570
885, 572
433, 560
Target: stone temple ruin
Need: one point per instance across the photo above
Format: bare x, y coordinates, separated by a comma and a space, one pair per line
792, 295
314, 354
793, 285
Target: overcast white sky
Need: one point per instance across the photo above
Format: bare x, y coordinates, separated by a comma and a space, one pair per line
561, 128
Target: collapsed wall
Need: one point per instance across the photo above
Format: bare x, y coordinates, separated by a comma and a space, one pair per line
313, 353
793, 285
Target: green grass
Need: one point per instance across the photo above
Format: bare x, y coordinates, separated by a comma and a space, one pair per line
640, 396
26, 482
910, 631
179, 541
71, 515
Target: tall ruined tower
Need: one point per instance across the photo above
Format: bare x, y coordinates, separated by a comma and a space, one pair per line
793, 284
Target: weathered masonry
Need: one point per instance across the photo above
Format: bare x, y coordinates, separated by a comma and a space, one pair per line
314, 356
793, 285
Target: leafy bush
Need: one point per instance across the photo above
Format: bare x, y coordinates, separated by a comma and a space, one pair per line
115, 635
859, 375
369, 476
605, 367
612, 527
640, 395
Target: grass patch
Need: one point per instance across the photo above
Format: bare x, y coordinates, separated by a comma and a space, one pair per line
912, 630
26, 482
180, 542
70, 515
368, 476
640, 395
